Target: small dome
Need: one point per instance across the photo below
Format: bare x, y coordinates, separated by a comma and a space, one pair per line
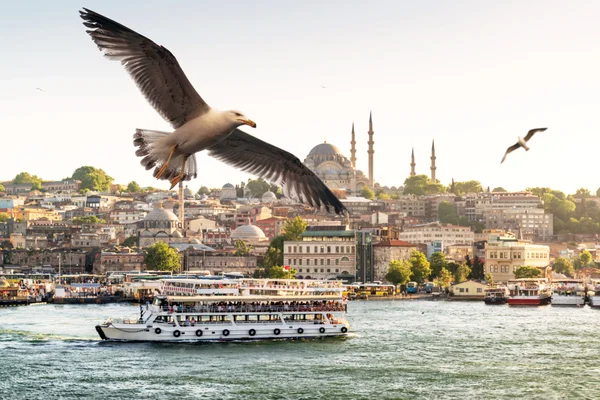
324, 149
160, 214
247, 232
203, 197
177, 234
269, 197
228, 186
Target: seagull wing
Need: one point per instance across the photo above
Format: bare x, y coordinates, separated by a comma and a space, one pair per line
533, 132
510, 150
273, 164
153, 68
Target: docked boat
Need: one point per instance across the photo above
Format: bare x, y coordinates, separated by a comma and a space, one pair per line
568, 292
230, 309
529, 292
594, 294
496, 295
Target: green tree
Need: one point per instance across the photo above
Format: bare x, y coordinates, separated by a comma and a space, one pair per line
242, 248
462, 273
598, 192
278, 272
92, 219
420, 267
437, 261
92, 179
367, 193
461, 188
444, 278
399, 272
162, 257
421, 185
292, 229
3, 218
274, 253
204, 190
257, 187
585, 259
447, 213
489, 278
25, 177
582, 193
131, 241
133, 187
563, 266
498, 189
528, 272
2, 189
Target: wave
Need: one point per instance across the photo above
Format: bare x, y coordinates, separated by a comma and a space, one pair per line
29, 336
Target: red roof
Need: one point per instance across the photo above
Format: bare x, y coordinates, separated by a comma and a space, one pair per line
394, 243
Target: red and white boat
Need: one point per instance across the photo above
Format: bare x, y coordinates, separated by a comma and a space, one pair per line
529, 292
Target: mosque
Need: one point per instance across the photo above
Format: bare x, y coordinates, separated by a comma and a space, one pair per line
339, 172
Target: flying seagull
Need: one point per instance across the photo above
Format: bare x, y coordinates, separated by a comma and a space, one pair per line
40, 89
522, 142
197, 126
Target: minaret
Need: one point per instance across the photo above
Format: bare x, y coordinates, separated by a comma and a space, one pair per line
412, 163
181, 202
371, 151
433, 168
353, 149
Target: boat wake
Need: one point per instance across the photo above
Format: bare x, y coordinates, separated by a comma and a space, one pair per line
7, 335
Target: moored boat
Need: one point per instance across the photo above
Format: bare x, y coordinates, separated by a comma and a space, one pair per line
224, 310
594, 294
529, 292
568, 292
496, 295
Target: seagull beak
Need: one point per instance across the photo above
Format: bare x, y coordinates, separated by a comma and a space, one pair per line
249, 122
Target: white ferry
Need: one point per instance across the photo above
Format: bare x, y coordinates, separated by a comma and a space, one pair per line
529, 292
594, 294
224, 310
568, 292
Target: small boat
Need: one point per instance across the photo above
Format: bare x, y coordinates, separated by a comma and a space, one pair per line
529, 292
568, 292
496, 295
594, 294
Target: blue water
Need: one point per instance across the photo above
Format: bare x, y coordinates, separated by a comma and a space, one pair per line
398, 350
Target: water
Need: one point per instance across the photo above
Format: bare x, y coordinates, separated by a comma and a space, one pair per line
399, 350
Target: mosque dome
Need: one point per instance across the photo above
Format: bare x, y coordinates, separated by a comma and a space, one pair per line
324, 149
268, 197
160, 214
228, 186
248, 232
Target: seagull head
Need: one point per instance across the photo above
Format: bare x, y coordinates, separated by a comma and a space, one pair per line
238, 119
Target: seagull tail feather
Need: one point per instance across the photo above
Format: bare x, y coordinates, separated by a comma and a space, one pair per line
154, 148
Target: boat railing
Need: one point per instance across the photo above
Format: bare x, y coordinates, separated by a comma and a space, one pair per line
250, 308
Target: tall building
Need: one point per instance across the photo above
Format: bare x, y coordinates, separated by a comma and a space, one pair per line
371, 150
412, 163
503, 255
433, 167
353, 149
365, 271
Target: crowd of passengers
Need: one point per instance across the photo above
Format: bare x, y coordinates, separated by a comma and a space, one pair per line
273, 306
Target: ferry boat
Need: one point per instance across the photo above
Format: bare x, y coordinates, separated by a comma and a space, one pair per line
594, 294
568, 292
529, 291
496, 295
230, 309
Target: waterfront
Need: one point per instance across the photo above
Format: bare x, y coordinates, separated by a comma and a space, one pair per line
416, 349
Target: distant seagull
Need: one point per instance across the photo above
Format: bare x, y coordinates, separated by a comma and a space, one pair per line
197, 126
323, 87
522, 142
40, 89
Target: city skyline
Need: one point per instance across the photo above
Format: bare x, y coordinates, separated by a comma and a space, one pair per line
471, 76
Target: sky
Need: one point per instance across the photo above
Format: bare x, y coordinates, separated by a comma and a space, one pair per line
473, 75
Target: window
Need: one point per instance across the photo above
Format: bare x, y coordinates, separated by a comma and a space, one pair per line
328, 262
289, 249
308, 249
300, 262
462, 290
316, 249
308, 261
295, 249
299, 249
329, 249
479, 290
328, 270
337, 261
337, 249
321, 261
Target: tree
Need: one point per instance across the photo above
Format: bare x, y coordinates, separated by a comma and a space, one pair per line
582, 193
162, 257
437, 261
563, 266
420, 267
528, 272
461, 188
399, 272
447, 213
477, 270
133, 187
585, 259
242, 248
384, 196
444, 278
25, 177
131, 241
274, 254
367, 193
462, 273
489, 278
277, 272
2, 189
421, 185
598, 192
92, 219
204, 190
92, 179
292, 229
498, 189
257, 187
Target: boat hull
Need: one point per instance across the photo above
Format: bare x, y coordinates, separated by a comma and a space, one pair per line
495, 300
576, 301
529, 301
150, 333
594, 301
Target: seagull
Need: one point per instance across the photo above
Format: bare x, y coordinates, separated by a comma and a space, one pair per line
40, 89
197, 126
522, 142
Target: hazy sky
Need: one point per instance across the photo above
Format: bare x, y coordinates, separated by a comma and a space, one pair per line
474, 75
